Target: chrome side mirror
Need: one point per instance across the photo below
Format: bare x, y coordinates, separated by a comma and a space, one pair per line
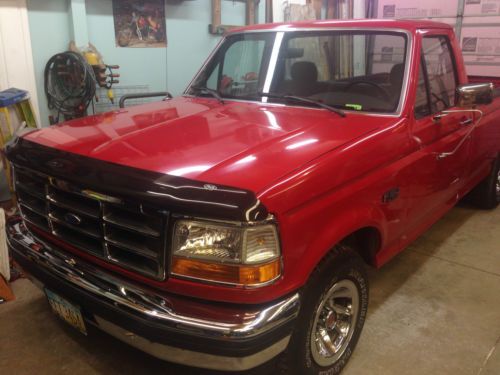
474, 93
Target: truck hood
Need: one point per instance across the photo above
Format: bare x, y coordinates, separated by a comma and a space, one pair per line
241, 144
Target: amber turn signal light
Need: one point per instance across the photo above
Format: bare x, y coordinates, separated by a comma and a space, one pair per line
240, 274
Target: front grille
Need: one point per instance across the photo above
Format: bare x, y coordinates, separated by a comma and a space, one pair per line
121, 232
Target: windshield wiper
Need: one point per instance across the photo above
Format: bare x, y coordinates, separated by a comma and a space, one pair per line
210, 91
302, 99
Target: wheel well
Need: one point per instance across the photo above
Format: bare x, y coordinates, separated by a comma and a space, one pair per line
366, 242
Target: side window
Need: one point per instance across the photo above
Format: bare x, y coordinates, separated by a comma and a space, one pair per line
241, 67
237, 70
441, 74
422, 100
212, 80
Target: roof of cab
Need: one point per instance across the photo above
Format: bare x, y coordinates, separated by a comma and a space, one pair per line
409, 25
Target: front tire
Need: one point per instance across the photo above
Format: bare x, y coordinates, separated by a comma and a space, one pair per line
333, 311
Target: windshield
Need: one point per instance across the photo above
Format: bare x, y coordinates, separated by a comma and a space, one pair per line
353, 70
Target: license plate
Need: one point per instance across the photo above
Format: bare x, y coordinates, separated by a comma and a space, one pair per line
66, 311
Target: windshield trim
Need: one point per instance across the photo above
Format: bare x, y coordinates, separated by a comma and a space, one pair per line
277, 44
273, 60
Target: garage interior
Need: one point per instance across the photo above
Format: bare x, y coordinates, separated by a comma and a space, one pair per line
434, 308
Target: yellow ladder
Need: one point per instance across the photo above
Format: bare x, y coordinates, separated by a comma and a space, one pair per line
24, 113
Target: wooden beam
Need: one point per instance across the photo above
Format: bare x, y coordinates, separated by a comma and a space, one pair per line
250, 13
216, 16
216, 26
269, 11
317, 5
331, 11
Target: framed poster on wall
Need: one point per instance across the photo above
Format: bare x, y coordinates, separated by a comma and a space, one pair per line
140, 23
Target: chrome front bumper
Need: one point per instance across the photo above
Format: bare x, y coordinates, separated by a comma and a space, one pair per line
136, 308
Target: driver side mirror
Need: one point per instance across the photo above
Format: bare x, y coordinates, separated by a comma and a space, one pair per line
473, 94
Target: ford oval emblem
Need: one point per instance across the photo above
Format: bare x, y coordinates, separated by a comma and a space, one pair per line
55, 164
72, 219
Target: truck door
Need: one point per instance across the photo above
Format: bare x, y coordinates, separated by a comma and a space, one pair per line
438, 177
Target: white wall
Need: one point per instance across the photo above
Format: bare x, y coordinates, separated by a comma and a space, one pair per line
16, 58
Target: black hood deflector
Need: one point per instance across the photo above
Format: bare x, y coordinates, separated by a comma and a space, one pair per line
174, 194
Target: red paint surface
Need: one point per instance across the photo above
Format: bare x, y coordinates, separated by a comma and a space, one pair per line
321, 175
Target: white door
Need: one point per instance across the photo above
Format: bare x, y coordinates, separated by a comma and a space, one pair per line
16, 57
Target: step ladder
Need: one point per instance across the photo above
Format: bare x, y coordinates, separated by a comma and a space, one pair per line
15, 112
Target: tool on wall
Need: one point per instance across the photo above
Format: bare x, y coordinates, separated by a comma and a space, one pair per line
70, 85
105, 74
71, 79
106, 78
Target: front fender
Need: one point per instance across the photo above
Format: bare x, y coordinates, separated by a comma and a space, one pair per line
310, 233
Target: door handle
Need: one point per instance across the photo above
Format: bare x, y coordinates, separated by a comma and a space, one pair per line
439, 116
466, 121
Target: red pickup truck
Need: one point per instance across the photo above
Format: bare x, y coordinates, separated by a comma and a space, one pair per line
232, 224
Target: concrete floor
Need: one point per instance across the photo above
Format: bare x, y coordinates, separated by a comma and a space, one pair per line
434, 309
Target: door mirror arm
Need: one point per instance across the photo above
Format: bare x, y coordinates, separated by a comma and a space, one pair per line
444, 155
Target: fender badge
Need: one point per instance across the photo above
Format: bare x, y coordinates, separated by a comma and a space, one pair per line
210, 187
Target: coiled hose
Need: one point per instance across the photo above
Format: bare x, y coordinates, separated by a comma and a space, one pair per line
70, 84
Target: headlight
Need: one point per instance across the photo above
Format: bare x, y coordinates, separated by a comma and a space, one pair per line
224, 253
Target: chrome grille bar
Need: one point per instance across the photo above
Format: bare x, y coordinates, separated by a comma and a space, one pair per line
130, 225
68, 206
61, 221
114, 229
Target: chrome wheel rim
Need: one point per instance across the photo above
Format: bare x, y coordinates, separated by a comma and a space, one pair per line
334, 322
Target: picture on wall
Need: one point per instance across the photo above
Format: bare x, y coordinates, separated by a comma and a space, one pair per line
140, 23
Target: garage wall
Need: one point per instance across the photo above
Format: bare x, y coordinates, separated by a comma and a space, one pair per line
49, 25
189, 42
138, 66
476, 24
141, 69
